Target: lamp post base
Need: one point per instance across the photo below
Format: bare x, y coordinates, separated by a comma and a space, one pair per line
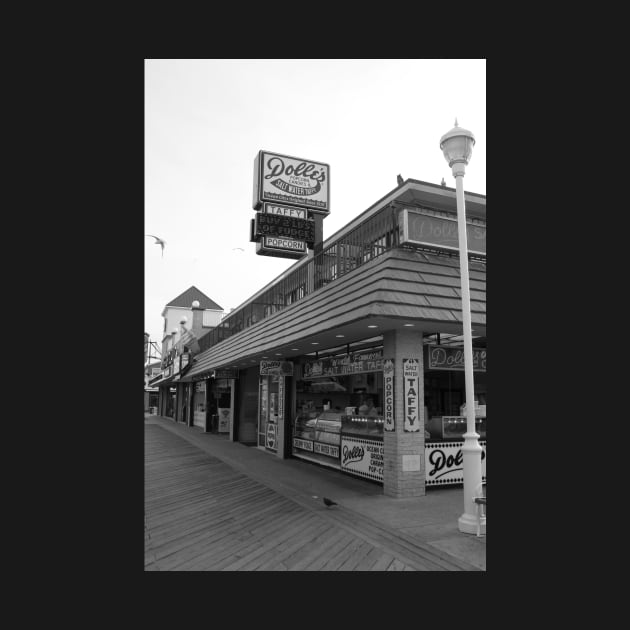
471, 452
468, 524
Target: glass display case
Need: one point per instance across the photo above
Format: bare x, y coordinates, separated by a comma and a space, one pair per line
454, 427
317, 436
365, 426
324, 426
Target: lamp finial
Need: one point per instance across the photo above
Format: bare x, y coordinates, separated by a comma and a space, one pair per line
456, 123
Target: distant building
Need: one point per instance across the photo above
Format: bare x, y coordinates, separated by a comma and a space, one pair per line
187, 318
151, 394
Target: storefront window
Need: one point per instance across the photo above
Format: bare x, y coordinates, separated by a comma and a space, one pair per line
346, 394
444, 408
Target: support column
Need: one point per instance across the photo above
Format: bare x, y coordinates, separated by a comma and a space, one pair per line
233, 431
404, 470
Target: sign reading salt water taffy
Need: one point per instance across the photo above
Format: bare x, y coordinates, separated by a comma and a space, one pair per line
388, 388
411, 394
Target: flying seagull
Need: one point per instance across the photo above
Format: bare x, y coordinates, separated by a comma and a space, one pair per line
400, 179
158, 241
328, 502
235, 248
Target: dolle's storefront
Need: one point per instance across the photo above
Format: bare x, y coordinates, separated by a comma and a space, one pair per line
345, 404
367, 334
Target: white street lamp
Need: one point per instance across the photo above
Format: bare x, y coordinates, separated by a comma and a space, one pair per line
457, 145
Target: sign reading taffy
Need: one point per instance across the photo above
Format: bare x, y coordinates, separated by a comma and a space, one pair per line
295, 181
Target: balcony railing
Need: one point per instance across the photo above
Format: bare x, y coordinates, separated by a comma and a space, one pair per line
372, 238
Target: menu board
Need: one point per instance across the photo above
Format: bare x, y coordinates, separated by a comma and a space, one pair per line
361, 457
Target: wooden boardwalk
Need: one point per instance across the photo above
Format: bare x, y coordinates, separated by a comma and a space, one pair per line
203, 515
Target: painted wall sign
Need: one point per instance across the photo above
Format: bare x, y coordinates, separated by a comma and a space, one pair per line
416, 228
305, 445
271, 436
388, 394
279, 368
452, 358
411, 394
444, 462
281, 247
295, 181
352, 363
326, 449
266, 224
364, 458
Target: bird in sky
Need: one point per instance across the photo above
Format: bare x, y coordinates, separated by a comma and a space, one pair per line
158, 241
235, 248
400, 179
329, 502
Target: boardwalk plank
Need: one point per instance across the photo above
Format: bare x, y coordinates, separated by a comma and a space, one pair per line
203, 515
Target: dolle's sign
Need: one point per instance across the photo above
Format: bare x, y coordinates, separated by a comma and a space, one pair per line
295, 181
426, 230
364, 458
452, 358
445, 462
278, 368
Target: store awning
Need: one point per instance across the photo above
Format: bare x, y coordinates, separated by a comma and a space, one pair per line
162, 382
402, 284
198, 376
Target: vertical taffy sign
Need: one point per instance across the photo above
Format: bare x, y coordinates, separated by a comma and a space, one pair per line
388, 388
411, 393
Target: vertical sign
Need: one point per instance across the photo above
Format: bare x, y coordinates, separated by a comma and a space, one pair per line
388, 388
411, 393
281, 399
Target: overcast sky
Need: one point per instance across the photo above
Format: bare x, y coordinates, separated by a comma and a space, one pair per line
206, 120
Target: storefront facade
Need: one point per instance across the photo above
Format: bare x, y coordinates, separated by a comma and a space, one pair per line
337, 361
212, 399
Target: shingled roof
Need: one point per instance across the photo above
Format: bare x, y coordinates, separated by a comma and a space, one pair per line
193, 293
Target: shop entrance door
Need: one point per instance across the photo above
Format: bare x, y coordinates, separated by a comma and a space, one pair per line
225, 404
